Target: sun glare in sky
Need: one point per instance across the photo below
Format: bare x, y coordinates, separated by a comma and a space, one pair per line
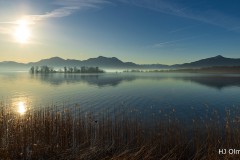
140, 31
22, 33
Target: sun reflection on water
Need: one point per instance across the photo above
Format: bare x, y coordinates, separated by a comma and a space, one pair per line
21, 108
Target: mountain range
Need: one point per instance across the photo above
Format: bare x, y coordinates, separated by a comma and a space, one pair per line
115, 63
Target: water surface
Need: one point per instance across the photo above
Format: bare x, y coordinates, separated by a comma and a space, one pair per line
186, 95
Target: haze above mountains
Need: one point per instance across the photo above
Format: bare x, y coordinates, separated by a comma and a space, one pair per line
115, 63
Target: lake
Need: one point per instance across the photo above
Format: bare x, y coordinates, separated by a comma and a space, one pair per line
186, 95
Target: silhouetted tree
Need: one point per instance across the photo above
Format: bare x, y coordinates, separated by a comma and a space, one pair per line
36, 69
83, 69
70, 69
45, 69
32, 70
65, 69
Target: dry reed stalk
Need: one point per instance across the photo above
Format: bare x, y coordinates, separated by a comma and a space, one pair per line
53, 134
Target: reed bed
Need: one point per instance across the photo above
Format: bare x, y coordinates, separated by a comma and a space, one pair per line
71, 134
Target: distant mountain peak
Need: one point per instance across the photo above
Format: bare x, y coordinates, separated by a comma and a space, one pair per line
101, 57
56, 58
114, 62
218, 60
219, 56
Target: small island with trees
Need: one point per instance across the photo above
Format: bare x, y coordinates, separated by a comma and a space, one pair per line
47, 69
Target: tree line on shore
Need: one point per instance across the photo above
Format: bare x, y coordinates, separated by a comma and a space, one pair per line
47, 69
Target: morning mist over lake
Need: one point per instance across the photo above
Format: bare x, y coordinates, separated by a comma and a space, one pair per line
103, 79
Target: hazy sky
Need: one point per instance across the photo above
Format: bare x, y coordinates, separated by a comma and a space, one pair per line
141, 31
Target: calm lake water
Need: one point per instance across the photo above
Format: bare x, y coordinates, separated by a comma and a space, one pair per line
186, 95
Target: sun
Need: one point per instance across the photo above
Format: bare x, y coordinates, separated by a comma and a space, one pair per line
22, 32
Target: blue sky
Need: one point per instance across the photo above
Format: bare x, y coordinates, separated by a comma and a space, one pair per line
141, 31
